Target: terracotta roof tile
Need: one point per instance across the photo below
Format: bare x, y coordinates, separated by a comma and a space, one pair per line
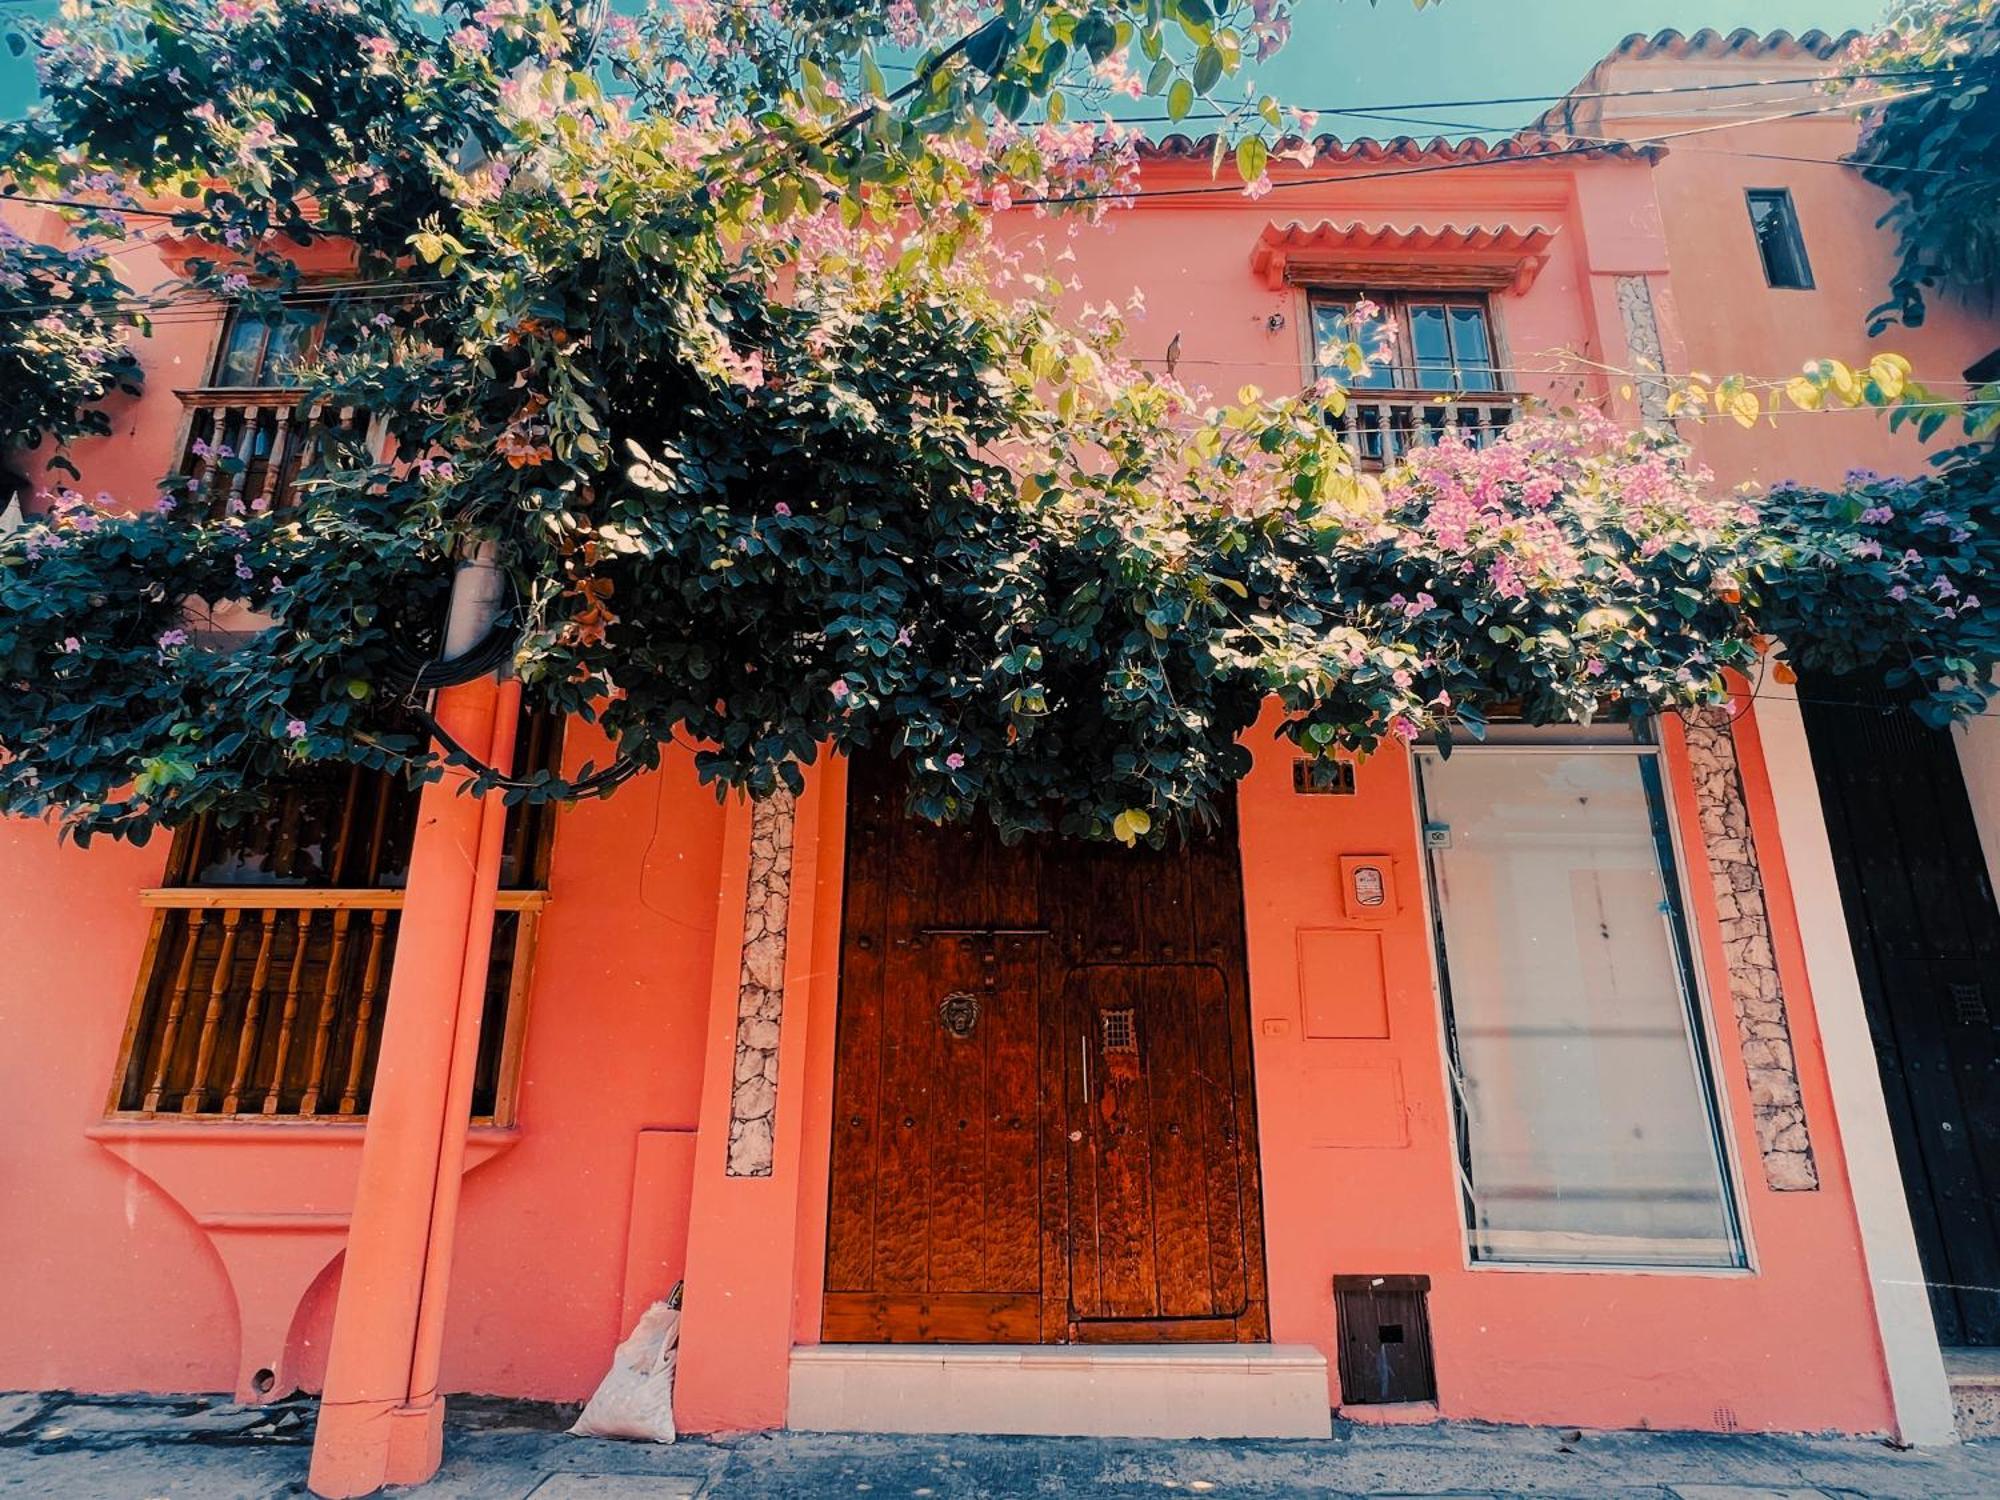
1743, 42
1403, 149
1512, 253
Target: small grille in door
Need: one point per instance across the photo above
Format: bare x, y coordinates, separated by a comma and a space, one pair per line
1121, 1031
1968, 1005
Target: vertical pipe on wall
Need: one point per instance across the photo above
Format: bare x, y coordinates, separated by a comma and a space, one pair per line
429, 1348
374, 1427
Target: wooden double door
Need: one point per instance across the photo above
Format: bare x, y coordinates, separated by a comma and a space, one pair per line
1926, 934
1043, 1125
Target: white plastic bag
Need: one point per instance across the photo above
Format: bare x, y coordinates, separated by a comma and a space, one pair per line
636, 1398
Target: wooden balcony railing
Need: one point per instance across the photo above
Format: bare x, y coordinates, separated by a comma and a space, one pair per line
268, 1002
1382, 426
242, 449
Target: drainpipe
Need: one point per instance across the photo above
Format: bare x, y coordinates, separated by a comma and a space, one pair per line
381, 1420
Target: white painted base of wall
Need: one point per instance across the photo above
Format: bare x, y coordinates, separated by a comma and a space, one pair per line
1127, 1390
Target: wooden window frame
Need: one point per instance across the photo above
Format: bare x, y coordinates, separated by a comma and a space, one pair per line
1396, 304
322, 305
296, 1041
1794, 238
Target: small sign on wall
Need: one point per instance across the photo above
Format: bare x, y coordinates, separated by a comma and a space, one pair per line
1368, 887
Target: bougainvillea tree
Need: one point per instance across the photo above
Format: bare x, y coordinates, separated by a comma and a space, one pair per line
698, 322
1931, 146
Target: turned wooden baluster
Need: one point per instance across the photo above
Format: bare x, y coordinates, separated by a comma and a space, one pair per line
246, 437
371, 982
253, 1012
323, 1032
170, 1030
218, 991
274, 468
302, 940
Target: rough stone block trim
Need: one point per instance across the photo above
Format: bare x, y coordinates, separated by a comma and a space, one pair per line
1642, 337
760, 987
1754, 986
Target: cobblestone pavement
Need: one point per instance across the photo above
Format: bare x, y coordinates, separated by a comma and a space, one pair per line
67, 1447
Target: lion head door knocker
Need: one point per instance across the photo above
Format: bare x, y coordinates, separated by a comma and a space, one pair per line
958, 1013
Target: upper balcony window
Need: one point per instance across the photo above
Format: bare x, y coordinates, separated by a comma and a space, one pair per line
1440, 350
264, 350
1437, 342
249, 432
1775, 220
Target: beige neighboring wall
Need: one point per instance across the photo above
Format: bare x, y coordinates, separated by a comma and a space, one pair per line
1769, 128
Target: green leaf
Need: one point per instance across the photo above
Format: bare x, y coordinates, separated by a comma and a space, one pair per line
1251, 156
1207, 69
987, 47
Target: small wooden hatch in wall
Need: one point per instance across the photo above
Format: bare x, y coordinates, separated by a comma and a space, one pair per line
1385, 1339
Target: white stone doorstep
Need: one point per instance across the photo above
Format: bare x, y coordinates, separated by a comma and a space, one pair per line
1124, 1390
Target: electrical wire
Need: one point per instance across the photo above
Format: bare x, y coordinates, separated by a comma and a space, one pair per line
1816, 82
1554, 152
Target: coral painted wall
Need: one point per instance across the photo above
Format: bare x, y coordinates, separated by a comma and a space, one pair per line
109, 1286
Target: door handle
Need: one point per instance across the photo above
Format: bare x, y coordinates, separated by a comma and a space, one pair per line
1083, 1047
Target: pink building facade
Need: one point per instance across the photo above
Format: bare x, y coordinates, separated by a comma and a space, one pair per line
700, 1067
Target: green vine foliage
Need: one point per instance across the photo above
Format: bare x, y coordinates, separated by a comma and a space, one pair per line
1885, 575
782, 452
1932, 148
63, 349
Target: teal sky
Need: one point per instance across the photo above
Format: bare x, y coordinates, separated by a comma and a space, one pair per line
1345, 53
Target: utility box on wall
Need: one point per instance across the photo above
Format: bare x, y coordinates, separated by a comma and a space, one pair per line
1385, 1339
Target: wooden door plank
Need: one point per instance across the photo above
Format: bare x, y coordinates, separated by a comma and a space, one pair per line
1013, 1126
903, 1159
1120, 1140
1176, 1038
957, 1226
1058, 1118
854, 1168
930, 1318
1081, 1218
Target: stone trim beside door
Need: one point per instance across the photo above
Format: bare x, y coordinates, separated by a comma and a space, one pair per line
1755, 988
760, 992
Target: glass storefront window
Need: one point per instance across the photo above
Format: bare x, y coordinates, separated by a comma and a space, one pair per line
1587, 1124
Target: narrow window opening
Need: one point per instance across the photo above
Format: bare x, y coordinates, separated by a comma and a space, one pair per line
1775, 221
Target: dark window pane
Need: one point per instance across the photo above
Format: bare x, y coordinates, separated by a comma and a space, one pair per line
291, 338
261, 351
242, 352
1430, 346
1471, 349
1333, 327
1776, 224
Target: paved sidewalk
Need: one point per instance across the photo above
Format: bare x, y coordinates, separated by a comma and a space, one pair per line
92, 1448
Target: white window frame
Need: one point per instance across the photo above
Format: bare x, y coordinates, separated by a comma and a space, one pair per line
1704, 1041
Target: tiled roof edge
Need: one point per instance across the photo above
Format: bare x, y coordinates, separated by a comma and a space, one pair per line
1333, 150
1742, 42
